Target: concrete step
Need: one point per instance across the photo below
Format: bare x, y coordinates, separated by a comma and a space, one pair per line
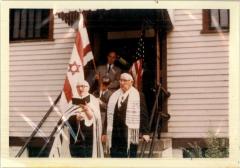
160, 144
162, 148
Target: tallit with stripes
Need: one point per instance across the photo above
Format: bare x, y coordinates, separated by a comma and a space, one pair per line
132, 115
60, 147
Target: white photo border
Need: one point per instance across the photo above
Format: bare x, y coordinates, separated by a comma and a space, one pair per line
234, 111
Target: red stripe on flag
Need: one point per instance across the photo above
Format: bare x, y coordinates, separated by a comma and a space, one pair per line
139, 76
67, 90
87, 49
79, 45
136, 67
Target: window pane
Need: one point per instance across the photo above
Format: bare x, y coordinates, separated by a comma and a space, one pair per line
214, 18
38, 23
23, 24
30, 23
45, 23
224, 18
16, 23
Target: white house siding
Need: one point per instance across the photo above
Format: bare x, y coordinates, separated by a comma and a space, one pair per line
37, 72
197, 72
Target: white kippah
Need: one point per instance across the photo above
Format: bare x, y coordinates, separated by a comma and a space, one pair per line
126, 76
82, 83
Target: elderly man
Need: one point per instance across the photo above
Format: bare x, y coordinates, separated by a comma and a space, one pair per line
126, 117
87, 125
110, 70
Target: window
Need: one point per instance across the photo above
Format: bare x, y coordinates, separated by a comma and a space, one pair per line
215, 20
31, 24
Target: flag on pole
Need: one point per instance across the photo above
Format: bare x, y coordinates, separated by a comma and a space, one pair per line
137, 67
81, 55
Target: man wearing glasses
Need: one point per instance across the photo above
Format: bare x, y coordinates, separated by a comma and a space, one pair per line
86, 124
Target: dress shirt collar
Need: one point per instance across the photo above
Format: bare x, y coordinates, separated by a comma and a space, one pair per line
112, 65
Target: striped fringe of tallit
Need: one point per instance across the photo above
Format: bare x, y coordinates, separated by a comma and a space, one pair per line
132, 116
60, 147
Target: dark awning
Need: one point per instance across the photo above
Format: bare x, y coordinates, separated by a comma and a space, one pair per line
122, 19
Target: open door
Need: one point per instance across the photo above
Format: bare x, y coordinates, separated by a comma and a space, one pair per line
120, 29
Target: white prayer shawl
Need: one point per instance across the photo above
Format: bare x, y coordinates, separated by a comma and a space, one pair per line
132, 115
60, 148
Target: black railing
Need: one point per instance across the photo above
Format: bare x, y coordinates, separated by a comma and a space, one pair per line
61, 122
38, 127
156, 111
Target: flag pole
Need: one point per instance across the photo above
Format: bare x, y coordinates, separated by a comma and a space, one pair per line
38, 126
84, 18
94, 65
93, 60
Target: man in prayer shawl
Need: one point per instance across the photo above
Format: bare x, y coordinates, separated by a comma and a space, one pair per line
126, 116
87, 125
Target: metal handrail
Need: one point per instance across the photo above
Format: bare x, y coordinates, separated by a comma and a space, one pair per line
58, 126
20, 152
159, 117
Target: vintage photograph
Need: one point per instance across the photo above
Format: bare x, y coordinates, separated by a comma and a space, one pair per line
118, 83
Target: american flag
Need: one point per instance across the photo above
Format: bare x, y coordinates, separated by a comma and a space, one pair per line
81, 55
137, 67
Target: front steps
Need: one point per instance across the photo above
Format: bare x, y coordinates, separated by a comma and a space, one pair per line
162, 148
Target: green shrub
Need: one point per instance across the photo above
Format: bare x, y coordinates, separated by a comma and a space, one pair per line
215, 148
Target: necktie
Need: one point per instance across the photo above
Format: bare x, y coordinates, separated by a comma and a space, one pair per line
101, 94
109, 68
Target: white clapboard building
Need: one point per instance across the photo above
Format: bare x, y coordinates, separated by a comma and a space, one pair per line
186, 50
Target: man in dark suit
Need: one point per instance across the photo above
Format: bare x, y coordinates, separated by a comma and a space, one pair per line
127, 117
103, 95
110, 70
